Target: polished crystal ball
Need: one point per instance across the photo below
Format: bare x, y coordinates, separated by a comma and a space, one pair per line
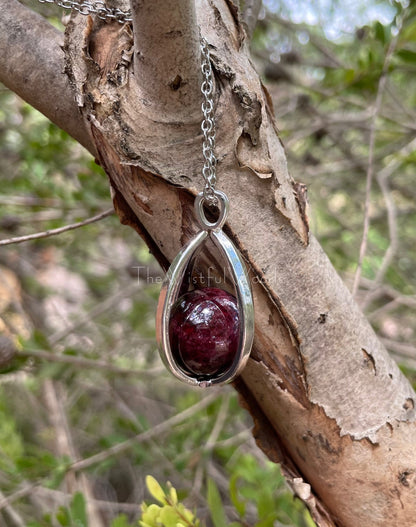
204, 330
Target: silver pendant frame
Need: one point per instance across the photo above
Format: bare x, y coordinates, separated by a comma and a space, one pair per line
172, 285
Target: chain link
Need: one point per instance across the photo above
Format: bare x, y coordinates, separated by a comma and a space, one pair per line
95, 7
208, 125
98, 8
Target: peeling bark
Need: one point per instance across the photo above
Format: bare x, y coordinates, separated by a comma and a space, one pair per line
328, 402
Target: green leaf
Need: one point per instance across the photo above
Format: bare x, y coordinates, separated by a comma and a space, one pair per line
169, 516
380, 32
173, 496
40, 339
408, 33
215, 505
265, 504
150, 515
155, 489
239, 505
120, 521
63, 517
186, 514
407, 55
349, 75
78, 510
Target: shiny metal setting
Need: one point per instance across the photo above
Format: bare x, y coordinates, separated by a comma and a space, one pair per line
171, 288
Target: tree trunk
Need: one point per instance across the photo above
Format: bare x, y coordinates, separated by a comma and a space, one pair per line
328, 402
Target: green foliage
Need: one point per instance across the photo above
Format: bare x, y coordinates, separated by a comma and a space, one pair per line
11, 443
170, 512
121, 521
75, 515
251, 484
263, 486
82, 297
335, 94
215, 505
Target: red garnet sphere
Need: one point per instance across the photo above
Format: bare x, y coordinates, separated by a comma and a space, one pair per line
204, 330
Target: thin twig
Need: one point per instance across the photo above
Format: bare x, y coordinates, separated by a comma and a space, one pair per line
64, 498
392, 224
125, 410
59, 423
400, 348
370, 167
5, 501
394, 242
383, 182
29, 201
219, 423
81, 362
244, 436
59, 230
156, 431
96, 311
383, 289
210, 444
83, 464
14, 517
241, 437
65, 446
315, 41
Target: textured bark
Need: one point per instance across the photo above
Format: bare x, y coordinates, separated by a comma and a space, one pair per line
167, 87
327, 400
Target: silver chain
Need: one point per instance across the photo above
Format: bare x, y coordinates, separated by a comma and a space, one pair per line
98, 8
95, 7
208, 125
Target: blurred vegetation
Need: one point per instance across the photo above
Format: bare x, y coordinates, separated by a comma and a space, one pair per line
346, 111
86, 409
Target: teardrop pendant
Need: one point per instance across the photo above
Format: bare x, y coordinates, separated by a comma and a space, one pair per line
205, 335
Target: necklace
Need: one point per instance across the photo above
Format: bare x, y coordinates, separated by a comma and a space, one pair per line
204, 334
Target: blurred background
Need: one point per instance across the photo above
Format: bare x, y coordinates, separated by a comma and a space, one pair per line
86, 408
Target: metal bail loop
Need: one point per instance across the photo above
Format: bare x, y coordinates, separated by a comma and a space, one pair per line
223, 205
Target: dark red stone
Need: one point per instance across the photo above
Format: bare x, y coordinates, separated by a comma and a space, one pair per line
204, 330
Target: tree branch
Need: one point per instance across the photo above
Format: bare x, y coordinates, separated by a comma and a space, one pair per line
318, 381
156, 431
32, 65
59, 230
167, 61
326, 398
55, 395
13, 515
